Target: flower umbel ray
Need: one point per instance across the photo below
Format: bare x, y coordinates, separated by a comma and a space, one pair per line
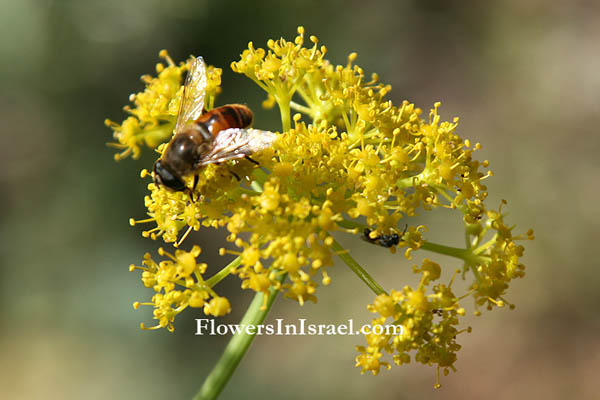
349, 161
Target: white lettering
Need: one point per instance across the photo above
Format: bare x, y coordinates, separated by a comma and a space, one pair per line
201, 325
301, 327
235, 329
302, 321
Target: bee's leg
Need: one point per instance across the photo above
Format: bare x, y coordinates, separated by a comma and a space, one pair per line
405, 229
252, 161
191, 191
234, 174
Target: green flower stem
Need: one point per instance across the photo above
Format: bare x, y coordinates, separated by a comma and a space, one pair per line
484, 246
259, 83
303, 109
407, 182
237, 346
467, 239
464, 254
344, 223
308, 99
284, 110
219, 276
446, 250
357, 269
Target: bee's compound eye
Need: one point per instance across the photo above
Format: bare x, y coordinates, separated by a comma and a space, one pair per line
164, 176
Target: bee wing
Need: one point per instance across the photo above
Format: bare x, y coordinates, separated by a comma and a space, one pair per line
235, 143
194, 89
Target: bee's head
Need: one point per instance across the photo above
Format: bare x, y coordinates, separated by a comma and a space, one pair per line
164, 176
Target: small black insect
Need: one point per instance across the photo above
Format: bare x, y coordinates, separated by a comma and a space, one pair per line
383, 240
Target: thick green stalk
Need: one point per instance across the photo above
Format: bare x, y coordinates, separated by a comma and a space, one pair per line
237, 347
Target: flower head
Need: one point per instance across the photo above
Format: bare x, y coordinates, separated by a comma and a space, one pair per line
178, 283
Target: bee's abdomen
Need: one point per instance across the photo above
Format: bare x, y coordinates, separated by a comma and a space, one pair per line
229, 116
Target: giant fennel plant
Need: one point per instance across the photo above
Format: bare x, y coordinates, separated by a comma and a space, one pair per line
347, 161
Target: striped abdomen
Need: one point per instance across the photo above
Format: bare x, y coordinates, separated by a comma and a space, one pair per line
229, 116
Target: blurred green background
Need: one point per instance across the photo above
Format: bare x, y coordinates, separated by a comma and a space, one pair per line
522, 75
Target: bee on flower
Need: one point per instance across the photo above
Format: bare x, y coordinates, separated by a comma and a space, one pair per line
345, 161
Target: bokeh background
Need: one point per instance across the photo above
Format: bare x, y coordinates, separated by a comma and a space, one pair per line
522, 75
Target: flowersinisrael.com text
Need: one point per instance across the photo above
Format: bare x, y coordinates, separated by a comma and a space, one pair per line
207, 326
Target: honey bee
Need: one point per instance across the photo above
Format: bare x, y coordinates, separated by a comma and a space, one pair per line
203, 138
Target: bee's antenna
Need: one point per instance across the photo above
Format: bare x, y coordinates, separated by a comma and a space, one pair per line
252, 161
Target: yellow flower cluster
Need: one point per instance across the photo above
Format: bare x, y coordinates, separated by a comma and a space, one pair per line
348, 161
428, 324
282, 70
179, 284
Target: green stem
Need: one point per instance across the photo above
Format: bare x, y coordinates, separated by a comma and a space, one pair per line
219, 276
307, 99
487, 244
284, 110
237, 346
349, 127
357, 269
344, 223
464, 254
407, 182
441, 249
260, 84
303, 109
475, 272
